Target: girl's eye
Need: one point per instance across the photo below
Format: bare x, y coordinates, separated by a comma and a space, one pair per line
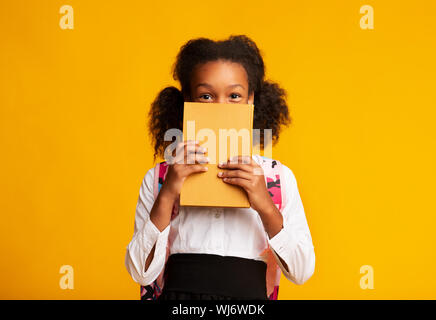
205, 97
235, 96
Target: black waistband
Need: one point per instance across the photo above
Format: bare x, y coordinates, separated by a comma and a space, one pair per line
215, 274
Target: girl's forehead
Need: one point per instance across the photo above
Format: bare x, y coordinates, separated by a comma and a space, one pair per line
219, 71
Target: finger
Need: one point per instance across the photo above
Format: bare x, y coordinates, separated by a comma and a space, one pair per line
195, 168
240, 166
257, 171
244, 183
202, 159
197, 158
234, 174
186, 148
179, 150
186, 142
183, 144
240, 159
195, 149
193, 153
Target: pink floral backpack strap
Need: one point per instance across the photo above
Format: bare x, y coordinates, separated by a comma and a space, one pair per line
154, 290
272, 170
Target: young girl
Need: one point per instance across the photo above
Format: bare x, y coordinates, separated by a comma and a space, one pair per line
215, 253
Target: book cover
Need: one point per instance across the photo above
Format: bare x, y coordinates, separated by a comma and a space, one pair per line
225, 130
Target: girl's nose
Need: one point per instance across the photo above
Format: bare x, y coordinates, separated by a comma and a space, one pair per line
221, 100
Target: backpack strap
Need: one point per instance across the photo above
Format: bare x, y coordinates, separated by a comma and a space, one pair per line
154, 290
272, 170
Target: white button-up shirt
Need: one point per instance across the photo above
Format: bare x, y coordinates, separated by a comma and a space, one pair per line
235, 232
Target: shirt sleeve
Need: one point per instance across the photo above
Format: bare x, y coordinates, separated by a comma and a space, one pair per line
294, 242
145, 235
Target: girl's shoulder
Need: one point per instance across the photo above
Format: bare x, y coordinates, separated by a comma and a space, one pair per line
148, 180
154, 177
275, 166
265, 161
149, 175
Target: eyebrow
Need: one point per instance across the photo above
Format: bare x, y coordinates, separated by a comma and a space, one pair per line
209, 86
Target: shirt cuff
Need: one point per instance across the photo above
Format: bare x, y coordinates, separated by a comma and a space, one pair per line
283, 243
152, 235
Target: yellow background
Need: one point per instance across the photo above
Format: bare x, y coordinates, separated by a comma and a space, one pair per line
74, 144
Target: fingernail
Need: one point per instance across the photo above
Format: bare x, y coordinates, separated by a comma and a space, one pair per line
220, 174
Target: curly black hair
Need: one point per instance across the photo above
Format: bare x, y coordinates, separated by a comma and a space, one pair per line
270, 112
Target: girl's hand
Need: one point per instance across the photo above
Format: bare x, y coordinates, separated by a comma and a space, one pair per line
188, 160
249, 175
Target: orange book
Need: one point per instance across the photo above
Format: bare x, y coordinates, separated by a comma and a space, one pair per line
225, 130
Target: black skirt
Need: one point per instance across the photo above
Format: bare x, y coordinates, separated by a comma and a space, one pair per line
193, 276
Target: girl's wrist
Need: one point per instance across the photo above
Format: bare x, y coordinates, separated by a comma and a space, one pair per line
168, 196
267, 207
267, 211
272, 220
162, 209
